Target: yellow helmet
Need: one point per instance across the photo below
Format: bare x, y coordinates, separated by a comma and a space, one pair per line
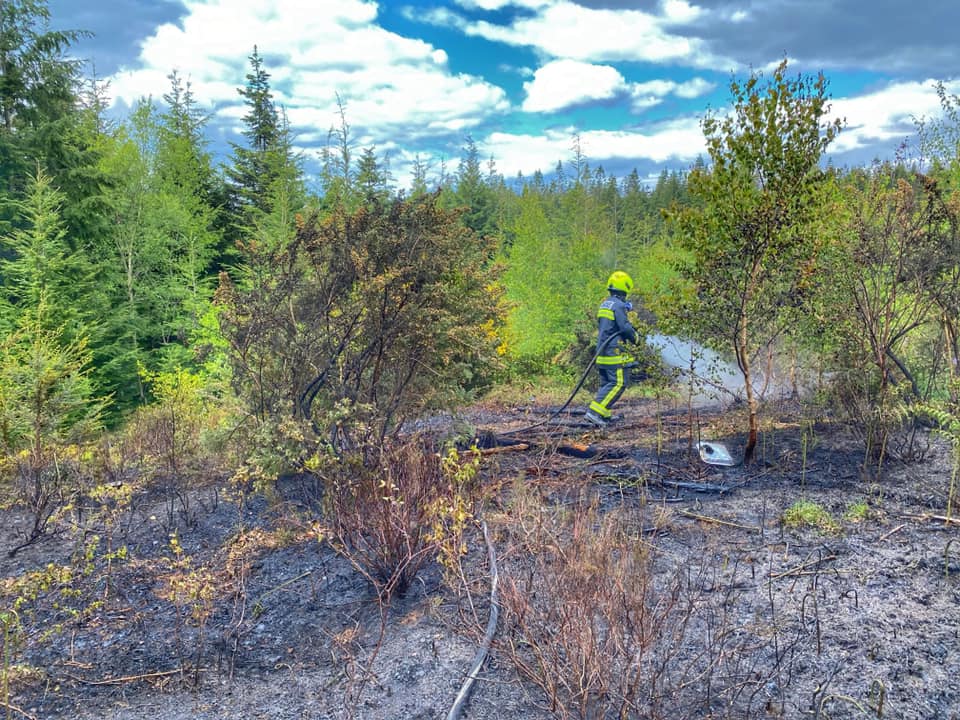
619, 280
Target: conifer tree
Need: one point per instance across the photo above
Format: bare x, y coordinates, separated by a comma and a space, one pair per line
187, 183
372, 177
43, 277
47, 397
37, 85
473, 194
43, 122
251, 172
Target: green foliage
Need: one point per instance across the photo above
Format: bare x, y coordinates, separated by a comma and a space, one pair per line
338, 174
393, 307
182, 409
653, 270
473, 194
264, 177
561, 241
187, 180
157, 270
46, 397
372, 177
38, 604
857, 511
806, 513
750, 234
250, 174
136, 268
177, 440
48, 406
553, 280
37, 92
883, 285
43, 277
940, 138
192, 591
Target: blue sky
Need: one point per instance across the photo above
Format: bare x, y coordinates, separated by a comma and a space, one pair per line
522, 78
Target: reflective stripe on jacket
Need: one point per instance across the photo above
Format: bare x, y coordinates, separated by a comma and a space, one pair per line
612, 320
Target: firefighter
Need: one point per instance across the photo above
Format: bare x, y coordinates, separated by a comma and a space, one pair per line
613, 361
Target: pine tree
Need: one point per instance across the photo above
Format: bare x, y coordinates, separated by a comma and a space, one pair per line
473, 194
186, 181
43, 277
418, 185
47, 397
43, 123
252, 172
371, 177
37, 85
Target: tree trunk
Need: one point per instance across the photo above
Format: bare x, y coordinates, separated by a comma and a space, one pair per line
752, 409
953, 354
743, 360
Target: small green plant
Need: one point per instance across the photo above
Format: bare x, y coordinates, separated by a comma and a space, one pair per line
192, 591
48, 408
168, 437
857, 512
806, 513
36, 608
452, 511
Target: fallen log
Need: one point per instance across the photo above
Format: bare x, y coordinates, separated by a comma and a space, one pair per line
949, 520
519, 447
578, 450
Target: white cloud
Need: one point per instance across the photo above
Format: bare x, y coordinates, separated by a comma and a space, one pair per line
680, 11
693, 88
564, 29
679, 141
386, 80
885, 115
562, 83
648, 94
500, 4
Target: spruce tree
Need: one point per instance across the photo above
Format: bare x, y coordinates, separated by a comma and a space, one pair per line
250, 173
43, 277
473, 194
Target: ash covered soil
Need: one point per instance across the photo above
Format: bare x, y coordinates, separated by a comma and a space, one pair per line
858, 618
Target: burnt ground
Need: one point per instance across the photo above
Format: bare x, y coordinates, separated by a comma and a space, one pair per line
856, 618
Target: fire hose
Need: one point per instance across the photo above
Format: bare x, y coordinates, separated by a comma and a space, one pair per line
583, 378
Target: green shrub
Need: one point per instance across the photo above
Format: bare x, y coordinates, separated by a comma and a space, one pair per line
806, 513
